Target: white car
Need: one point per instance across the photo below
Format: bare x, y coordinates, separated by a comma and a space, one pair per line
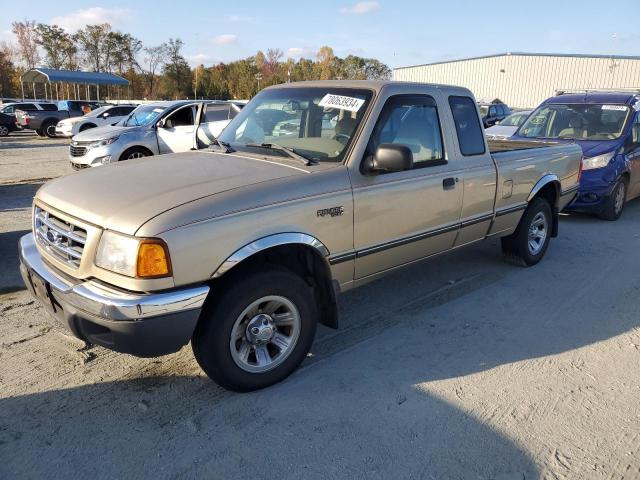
107, 115
508, 126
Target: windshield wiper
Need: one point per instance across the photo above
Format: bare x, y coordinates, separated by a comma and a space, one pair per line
226, 148
288, 150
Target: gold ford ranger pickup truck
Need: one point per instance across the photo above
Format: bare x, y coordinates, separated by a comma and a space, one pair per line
313, 189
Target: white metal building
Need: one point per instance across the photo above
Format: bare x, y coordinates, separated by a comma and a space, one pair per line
523, 80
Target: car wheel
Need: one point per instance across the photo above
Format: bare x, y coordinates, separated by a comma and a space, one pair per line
49, 129
40, 133
616, 201
258, 331
528, 244
4, 130
135, 152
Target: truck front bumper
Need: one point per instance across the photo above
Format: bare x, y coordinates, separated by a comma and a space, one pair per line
141, 324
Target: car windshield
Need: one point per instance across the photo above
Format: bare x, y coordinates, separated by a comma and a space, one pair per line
514, 120
316, 123
576, 122
143, 115
483, 110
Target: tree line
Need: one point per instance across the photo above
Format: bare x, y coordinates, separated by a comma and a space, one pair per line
162, 71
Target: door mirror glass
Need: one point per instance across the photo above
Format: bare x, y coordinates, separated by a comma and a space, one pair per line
160, 124
389, 158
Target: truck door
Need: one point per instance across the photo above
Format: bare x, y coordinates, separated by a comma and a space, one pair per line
479, 176
403, 216
177, 131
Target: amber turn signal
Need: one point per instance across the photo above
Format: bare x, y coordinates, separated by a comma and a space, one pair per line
153, 260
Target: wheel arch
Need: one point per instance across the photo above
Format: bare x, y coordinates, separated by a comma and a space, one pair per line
548, 187
299, 252
136, 147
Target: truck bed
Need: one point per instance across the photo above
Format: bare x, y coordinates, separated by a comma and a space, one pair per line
497, 146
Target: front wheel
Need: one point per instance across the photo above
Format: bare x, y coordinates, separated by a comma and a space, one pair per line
4, 130
616, 201
133, 153
258, 331
49, 129
528, 244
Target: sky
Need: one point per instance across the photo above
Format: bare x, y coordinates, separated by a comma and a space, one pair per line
398, 33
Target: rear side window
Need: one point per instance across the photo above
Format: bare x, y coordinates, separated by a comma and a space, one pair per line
216, 112
470, 134
49, 107
27, 107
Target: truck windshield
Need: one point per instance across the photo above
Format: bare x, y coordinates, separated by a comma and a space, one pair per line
316, 123
576, 122
143, 115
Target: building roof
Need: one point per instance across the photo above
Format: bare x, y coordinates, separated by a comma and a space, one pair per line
525, 54
43, 75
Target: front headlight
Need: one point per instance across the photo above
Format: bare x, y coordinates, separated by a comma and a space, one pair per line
597, 162
133, 256
102, 143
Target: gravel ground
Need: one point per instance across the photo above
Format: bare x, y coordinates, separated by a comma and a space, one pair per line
460, 367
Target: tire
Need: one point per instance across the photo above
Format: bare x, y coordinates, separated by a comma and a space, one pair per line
49, 129
40, 133
86, 126
243, 306
4, 130
134, 152
616, 201
528, 244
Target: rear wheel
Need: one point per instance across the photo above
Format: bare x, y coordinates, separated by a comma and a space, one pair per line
40, 133
258, 331
4, 130
616, 201
49, 129
135, 152
528, 244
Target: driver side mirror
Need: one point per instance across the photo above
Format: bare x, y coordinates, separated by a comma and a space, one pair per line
160, 124
389, 158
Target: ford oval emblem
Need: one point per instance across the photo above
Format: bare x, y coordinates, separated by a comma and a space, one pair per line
53, 237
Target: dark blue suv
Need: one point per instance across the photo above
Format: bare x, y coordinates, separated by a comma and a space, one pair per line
607, 127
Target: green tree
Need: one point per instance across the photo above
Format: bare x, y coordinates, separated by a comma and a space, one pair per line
53, 40
94, 44
27, 37
177, 70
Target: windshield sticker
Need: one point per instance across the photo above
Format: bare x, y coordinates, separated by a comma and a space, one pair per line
350, 104
621, 108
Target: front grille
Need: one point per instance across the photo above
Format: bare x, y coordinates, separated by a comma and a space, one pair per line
77, 151
62, 239
79, 166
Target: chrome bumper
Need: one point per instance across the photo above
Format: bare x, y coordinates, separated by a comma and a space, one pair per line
143, 324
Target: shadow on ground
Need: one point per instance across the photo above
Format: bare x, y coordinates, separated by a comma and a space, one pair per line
18, 196
368, 412
10, 279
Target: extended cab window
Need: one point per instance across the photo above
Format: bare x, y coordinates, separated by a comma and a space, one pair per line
470, 134
49, 107
411, 120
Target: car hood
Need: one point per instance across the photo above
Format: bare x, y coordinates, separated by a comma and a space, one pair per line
123, 196
102, 133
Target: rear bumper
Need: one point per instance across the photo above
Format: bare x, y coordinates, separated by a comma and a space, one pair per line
141, 324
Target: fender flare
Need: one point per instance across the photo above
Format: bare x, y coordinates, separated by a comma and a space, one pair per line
264, 243
543, 182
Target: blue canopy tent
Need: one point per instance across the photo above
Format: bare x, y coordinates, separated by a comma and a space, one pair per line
49, 76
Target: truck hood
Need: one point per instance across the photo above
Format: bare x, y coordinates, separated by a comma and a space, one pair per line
123, 196
102, 133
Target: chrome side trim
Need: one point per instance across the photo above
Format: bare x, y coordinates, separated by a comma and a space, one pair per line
406, 240
269, 242
507, 210
548, 178
105, 302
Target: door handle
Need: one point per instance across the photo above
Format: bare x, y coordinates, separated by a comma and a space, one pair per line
449, 183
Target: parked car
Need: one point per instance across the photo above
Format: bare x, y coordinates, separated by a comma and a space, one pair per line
10, 108
7, 124
493, 113
44, 122
241, 249
107, 115
507, 127
606, 125
153, 129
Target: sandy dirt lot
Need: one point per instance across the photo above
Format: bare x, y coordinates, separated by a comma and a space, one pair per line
460, 367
